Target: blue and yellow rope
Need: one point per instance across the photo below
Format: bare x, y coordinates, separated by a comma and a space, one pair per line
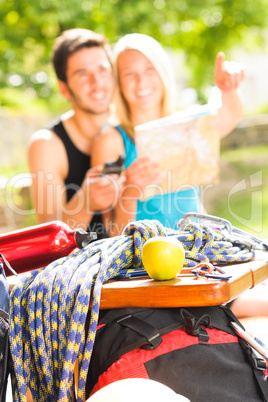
49, 307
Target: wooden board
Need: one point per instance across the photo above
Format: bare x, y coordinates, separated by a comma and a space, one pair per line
186, 290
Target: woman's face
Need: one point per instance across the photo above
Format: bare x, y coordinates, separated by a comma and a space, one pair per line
139, 81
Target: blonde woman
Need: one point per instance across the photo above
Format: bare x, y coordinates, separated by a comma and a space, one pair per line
147, 91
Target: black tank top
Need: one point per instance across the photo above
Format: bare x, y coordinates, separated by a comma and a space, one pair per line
79, 163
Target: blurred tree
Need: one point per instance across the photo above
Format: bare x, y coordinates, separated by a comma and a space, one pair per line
198, 28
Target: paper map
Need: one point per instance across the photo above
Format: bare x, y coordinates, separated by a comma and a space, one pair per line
186, 146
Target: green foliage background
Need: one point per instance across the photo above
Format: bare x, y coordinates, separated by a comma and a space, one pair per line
197, 28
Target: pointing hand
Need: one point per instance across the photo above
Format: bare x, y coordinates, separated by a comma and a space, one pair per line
228, 74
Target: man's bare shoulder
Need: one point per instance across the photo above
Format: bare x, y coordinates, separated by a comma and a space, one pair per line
47, 151
47, 137
44, 135
46, 141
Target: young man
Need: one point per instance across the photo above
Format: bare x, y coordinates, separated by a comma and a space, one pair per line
63, 186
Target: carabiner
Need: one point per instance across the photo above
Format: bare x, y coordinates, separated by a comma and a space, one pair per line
208, 270
231, 233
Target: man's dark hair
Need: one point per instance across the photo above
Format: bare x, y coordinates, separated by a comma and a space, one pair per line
70, 42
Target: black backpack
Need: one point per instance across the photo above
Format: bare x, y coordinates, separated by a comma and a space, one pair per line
194, 351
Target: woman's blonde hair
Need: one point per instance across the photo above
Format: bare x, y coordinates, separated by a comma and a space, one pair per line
154, 52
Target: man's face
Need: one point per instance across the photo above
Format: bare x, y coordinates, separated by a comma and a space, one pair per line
90, 80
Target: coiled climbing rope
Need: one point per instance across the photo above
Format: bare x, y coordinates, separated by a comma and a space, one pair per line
49, 307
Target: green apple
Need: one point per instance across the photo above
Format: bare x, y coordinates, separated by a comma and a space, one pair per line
163, 257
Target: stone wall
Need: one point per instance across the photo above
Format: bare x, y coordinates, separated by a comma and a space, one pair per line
251, 130
15, 133
16, 130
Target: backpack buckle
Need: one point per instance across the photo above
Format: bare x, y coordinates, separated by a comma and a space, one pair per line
193, 325
249, 344
257, 362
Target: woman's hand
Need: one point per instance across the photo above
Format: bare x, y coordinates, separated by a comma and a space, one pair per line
141, 173
228, 74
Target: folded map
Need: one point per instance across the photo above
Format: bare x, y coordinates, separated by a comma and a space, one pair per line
186, 146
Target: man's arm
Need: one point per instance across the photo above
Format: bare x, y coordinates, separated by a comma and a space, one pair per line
228, 76
48, 165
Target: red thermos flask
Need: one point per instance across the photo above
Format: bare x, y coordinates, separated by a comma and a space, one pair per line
39, 245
